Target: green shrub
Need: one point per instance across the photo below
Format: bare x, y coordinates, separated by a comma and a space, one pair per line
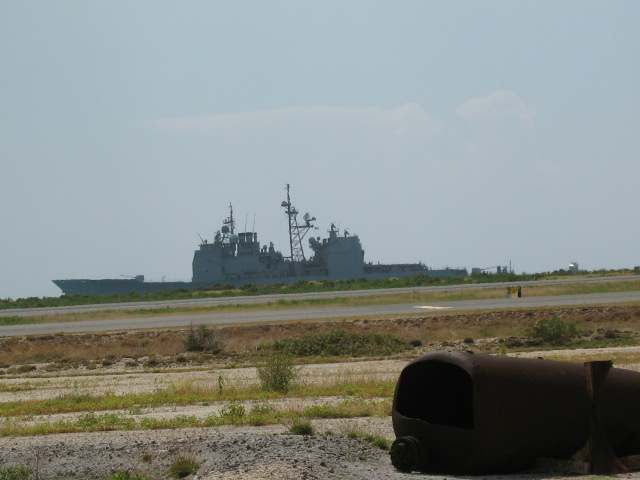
151, 363
25, 368
183, 466
202, 339
233, 411
339, 342
554, 331
375, 440
104, 422
261, 414
125, 475
15, 473
300, 427
262, 409
277, 374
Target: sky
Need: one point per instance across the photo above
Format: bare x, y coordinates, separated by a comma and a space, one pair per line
455, 133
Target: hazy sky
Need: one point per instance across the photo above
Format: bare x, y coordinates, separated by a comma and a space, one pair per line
454, 133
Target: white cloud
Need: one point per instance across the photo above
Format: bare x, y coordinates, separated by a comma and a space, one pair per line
396, 121
502, 104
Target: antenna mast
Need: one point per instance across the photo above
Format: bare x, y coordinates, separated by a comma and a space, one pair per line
297, 232
229, 221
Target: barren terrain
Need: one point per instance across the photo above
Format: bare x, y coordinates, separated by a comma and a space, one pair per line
67, 383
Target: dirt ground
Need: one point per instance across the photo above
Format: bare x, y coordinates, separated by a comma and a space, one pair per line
123, 381
251, 452
230, 453
243, 340
223, 453
24, 388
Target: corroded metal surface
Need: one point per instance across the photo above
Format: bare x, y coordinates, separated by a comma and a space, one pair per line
470, 413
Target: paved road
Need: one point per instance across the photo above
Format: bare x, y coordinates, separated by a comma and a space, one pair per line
288, 314
256, 299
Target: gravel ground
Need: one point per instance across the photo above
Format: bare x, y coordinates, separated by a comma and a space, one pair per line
224, 453
233, 453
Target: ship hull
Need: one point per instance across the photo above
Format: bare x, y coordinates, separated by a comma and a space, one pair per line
127, 286
120, 286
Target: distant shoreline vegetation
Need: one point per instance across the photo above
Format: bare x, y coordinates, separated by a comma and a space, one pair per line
298, 287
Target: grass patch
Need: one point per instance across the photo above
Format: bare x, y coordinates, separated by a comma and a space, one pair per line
619, 359
16, 320
622, 339
619, 341
375, 440
183, 466
18, 472
553, 331
92, 422
350, 408
187, 394
16, 387
126, 475
301, 427
339, 342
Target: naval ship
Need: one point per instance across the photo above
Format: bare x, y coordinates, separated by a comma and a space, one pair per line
236, 259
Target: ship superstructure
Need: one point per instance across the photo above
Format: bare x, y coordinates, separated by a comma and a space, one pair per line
237, 258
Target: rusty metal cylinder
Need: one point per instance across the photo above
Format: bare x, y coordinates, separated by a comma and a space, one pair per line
465, 413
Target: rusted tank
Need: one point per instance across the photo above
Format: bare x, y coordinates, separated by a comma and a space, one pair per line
465, 413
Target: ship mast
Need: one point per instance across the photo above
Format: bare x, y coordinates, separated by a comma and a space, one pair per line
289, 210
230, 221
297, 232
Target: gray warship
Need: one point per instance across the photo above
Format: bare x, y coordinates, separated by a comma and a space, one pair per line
237, 259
